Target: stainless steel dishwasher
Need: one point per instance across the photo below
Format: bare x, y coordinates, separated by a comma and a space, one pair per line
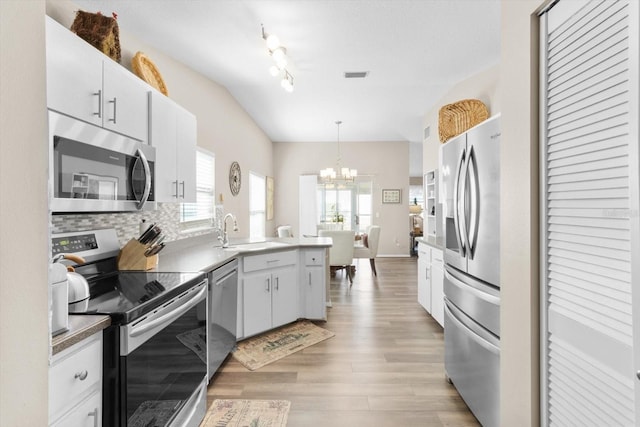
222, 306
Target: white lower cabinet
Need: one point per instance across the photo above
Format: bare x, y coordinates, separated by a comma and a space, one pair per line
75, 384
86, 414
424, 280
437, 286
269, 291
431, 281
313, 284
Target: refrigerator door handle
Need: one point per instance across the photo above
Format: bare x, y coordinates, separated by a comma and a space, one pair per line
472, 287
474, 198
457, 219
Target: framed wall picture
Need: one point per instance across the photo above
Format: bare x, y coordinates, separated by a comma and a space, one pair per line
391, 196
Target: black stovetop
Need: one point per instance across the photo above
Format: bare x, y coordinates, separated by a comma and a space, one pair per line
126, 296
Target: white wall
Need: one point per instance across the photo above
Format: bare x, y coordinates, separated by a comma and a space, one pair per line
387, 162
24, 331
519, 260
483, 86
224, 127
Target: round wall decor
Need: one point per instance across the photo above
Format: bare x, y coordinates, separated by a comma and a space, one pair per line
235, 178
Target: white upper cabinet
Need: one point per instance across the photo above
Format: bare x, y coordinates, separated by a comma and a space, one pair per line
186, 141
86, 84
125, 102
173, 133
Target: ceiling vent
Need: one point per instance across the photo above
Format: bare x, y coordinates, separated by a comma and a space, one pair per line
355, 74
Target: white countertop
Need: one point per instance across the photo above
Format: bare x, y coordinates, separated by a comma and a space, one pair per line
436, 242
204, 253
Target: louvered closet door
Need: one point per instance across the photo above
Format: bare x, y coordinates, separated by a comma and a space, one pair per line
589, 199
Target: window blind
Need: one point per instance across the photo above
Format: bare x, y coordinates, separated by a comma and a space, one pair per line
588, 341
202, 209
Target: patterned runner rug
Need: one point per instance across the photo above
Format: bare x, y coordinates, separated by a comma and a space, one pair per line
243, 413
263, 349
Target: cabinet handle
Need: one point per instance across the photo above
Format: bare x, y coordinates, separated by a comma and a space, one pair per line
182, 184
176, 184
268, 285
81, 375
309, 278
94, 414
277, 283
99, 95
114, 101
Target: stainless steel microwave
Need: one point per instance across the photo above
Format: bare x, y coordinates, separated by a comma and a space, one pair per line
96, 170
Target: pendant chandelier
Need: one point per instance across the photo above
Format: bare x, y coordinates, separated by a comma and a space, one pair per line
329, 175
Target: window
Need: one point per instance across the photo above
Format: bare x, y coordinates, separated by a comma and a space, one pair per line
416, 195
347, 203
200, 213
257, 205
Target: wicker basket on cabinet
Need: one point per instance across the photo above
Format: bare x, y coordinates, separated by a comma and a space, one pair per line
456, 118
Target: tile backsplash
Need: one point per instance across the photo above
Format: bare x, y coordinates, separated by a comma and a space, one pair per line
127, 224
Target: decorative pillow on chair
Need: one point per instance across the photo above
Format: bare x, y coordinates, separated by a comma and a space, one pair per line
365, 240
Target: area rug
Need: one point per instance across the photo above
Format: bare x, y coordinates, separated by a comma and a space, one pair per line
254, 353
247, 413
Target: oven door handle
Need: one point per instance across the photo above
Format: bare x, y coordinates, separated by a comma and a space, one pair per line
169, 317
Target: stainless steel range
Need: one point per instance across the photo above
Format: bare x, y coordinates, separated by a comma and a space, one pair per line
155, 352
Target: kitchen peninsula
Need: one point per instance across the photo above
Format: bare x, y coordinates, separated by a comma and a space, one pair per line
302, 263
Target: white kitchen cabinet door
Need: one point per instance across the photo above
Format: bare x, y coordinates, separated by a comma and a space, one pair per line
75, 384
86, 414
424, 279
313, 284
437, 283
162, 137
173, 133
74, 75
257, 303
284, 297
590, 227
125, 102
186, 141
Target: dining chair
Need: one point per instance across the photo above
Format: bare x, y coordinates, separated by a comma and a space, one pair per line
284, 231
369, 248
341, 251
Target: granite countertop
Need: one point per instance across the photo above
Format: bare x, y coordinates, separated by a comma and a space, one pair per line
436, 242
204, 253
80, 327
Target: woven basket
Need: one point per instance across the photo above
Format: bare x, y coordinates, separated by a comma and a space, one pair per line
456, 118
99, 31
147, 71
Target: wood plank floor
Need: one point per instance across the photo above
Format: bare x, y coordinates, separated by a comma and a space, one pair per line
383, 368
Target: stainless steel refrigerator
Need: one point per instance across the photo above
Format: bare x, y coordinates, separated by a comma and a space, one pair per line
470, 177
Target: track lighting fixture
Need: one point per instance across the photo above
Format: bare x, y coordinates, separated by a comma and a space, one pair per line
279, 55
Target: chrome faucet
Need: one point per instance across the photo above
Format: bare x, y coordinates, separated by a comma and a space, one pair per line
224, 239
